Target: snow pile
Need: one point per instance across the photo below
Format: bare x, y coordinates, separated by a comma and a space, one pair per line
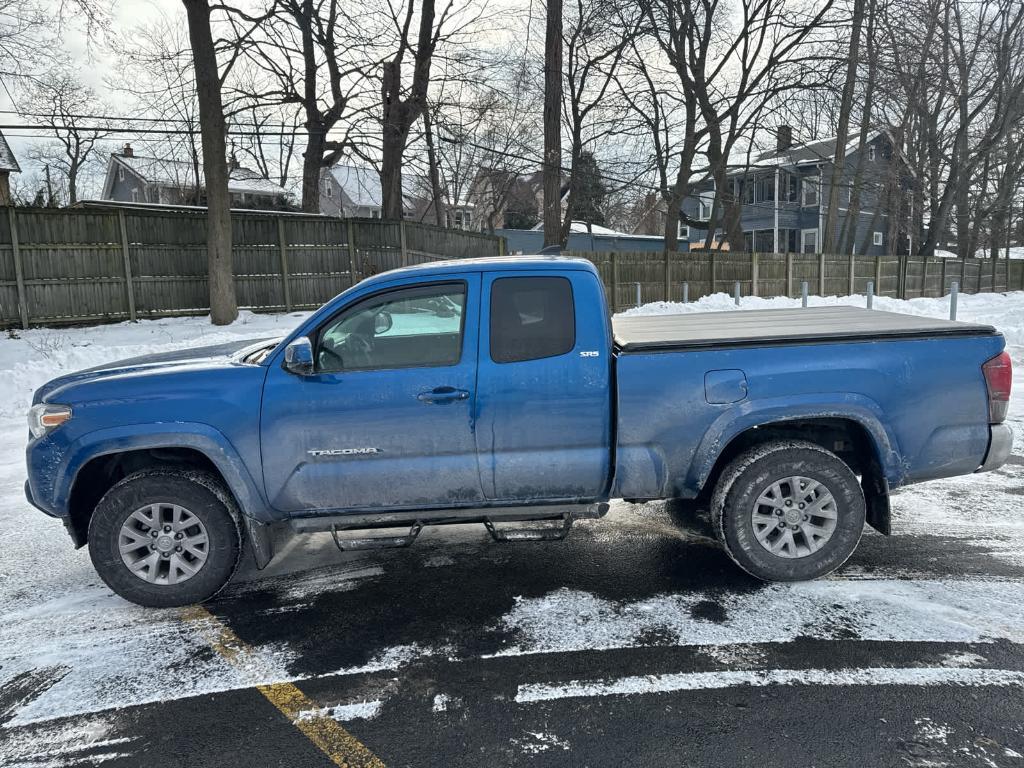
1005, 311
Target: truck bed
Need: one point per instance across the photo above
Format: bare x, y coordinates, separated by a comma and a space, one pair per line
698, 330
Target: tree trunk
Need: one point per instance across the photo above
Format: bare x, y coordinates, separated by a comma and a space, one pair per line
553, 125
435, 175
312, 162
830, 238
223, 306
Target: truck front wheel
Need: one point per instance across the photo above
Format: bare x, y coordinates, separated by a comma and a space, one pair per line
788, 511
163, 538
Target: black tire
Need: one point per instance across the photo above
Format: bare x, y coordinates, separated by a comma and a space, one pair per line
750, 474
205, 497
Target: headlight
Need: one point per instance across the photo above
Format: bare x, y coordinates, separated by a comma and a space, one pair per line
44, 417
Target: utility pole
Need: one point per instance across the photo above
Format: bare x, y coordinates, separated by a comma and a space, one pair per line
553, 125
49, 187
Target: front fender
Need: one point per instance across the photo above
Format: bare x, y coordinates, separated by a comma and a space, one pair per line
132, 437
758, 413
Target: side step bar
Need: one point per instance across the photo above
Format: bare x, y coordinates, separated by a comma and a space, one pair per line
376, 542
555, 532
554, 523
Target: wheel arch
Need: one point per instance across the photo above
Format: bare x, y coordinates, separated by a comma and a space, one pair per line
101, 459
852, 440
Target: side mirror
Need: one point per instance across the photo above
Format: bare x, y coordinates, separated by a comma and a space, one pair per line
382, 322
298, 357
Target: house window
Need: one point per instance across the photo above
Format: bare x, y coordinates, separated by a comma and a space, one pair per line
765, 190
707, 199
135, 195
790, 187
876, 238
120, 174
871, 153
461, 220
809, 185
809, 241
328, 190
683, 232
375, 213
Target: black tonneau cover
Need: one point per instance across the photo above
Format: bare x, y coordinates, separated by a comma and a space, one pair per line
778, 326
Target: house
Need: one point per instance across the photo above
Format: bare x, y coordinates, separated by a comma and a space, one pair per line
582, 237
355, 191
784, 197
138, 179
8, 165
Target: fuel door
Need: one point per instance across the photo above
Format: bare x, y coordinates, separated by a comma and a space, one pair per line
725, 386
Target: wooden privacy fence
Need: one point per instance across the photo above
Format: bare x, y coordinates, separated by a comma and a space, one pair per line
661, 275
99, 264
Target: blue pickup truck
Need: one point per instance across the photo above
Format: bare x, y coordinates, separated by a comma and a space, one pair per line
500, 391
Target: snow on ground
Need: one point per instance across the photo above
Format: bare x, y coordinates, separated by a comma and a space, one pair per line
56, 613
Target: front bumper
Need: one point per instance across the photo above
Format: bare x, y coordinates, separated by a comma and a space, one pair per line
1000, 444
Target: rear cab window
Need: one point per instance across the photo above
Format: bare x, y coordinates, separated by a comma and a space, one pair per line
531, 318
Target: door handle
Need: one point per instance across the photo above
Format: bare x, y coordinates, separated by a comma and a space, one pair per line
442, 395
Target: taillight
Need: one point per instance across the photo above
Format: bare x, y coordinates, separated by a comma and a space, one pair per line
998, 376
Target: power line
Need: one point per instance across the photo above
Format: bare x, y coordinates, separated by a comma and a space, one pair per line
137, 131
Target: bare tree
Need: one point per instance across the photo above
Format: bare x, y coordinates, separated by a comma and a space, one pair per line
318, 60
59, 100
401, 105
223, 304
598, 34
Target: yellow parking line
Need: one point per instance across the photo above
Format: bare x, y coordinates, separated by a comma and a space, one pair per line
343, 749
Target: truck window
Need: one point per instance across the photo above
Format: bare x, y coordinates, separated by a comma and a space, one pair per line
531, 318
404, 328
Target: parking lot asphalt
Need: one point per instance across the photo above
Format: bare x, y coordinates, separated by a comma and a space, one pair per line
633, 642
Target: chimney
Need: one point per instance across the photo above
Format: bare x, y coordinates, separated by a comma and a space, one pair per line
127, 151
784, 138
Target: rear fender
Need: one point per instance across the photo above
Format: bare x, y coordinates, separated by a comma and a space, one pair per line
760, 413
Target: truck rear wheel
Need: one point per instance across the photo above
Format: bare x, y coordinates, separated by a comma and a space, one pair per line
163, 538
788, 511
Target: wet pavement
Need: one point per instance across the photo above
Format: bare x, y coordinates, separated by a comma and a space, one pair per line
635, 641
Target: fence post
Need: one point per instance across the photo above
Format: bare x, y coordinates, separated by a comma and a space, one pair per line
18, 274
686, 292
639, 300
853, 273
350, 236
902, 282
668, 278
283, 246
942, 288
402, 243
711, 256
871, 293
878, 274
821, 274
736, 292
754, 274
924, 277
128, 287
803, 293
615, 281
954, 289
789, 274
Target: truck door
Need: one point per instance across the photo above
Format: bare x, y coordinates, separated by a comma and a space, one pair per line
543, 387
386, 417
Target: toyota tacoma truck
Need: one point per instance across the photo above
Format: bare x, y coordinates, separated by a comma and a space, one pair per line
500, 391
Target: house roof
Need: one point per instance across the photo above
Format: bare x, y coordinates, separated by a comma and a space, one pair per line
820, 150
361, 185
8, 162
164, 172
